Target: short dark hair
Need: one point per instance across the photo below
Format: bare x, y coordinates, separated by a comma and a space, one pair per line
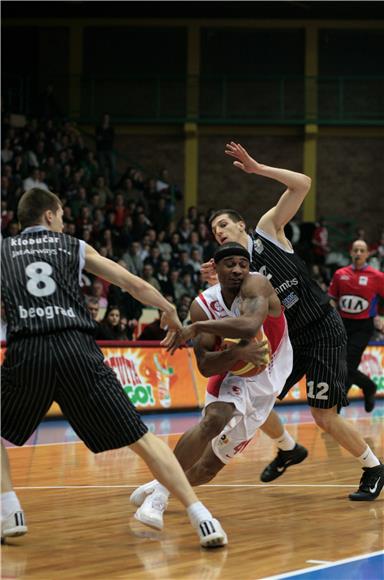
33, 203
234, 215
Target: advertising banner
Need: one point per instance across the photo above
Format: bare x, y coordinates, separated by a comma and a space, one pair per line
154, 380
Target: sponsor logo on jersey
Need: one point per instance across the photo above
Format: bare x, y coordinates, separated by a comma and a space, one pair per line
258, 246
48, 312
353, 304
344, 277
216, 306
363, 280
287, 284
290, 300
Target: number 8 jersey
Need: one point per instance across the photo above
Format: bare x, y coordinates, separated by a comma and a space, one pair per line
40, 283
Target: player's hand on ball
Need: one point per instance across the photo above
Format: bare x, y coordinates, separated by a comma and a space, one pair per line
256, 353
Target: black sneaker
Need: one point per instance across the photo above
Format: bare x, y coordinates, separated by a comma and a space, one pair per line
282, 461
371, 484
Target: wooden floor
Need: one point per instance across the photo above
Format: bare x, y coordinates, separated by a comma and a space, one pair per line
81, 525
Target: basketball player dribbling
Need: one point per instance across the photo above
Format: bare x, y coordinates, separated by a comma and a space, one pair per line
240, 306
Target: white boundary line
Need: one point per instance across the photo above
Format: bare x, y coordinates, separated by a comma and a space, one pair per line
323, 566
235, 485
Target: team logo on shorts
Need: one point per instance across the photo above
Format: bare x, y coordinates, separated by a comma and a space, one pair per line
224, 440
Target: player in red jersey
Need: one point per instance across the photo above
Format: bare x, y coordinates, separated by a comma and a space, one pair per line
355, 290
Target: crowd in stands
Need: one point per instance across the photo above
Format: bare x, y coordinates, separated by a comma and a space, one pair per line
130, 218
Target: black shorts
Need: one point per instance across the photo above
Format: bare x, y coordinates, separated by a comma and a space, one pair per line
66, 367
320, 354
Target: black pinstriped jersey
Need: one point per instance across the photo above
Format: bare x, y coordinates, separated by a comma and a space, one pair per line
302, 298
40, 284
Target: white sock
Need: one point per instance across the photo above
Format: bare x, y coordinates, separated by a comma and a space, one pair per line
197, 513
368, 458
9, 504
285, 442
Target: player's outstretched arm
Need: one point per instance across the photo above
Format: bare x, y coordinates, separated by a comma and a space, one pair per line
141, 290
289, 203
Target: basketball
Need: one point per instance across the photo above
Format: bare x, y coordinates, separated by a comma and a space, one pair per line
247, 369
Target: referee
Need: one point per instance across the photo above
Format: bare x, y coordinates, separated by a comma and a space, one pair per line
355, 290
52, 356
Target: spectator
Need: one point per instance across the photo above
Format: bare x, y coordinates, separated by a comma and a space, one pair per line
183, 314
104, 192
110, 327
148, 276
153, 331
163, 278
34, 180
188, 285
320, 242
154, 258
7, 152
132, 259
97, 291
177, 287
165, 247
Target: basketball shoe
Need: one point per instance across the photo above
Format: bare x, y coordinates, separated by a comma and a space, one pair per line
14, 525
371, 484
211, 534
152, 509
140, 493
282, 461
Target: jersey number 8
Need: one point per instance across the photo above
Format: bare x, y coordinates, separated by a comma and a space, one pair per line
40, 283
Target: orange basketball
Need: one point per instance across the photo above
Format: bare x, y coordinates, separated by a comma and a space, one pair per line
247, 369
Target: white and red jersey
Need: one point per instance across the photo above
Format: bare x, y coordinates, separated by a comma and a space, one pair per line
273, 378
356, 291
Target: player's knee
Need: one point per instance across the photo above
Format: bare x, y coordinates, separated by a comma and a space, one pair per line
212, 424
323, 418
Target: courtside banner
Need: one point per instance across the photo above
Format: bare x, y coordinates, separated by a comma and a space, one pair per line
154, 380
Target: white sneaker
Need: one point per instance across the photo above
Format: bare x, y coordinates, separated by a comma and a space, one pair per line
14, 525
211, 534
140, 493
151, 511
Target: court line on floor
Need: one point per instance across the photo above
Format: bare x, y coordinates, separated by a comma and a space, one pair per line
324, 566
120, 486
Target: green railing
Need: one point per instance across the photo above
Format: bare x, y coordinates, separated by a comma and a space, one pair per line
220, 99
